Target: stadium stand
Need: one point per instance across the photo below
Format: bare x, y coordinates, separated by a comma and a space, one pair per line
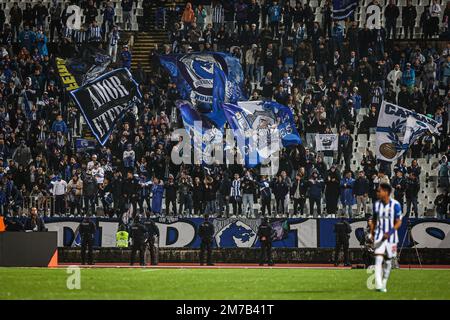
38, 153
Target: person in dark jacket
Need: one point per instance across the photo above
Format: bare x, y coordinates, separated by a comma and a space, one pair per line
332, 185
409, 15
34, 222
130, 189
266, 195
361, 192
391, 13
298, 193
87, 230
315, 188
206, 233
152, 235
138, 233
398, 183
411, 192
171, 195
265, 238
342, 229
224, 195
280, 190
345, 148
441, 202
197, 196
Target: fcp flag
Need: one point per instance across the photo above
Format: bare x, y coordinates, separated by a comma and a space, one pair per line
398, 128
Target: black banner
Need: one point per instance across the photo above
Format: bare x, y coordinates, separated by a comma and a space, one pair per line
105, 100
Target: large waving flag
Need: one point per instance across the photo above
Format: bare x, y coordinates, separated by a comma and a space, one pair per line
204, 133
398, 128
261, 128
202, 76
342, 9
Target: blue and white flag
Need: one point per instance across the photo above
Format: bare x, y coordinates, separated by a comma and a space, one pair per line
205, 135
342, 9
398, 128
261, 128
195, 75
84, 144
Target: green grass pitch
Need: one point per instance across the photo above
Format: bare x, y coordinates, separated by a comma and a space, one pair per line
137, 283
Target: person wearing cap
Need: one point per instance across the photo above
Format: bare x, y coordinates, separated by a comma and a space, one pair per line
206, 233
409, 77
138, 236
125, 57
265, 238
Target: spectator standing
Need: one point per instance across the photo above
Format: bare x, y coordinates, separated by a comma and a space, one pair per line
125, 57
275, 18
157, 196
200, 17
218, 15
347, 194
412, 191
74, 195
332, 186
171, 189
113, 43
409, 15
236, 195
55, 21
108, 18
391, 14
59, 189
361, 192
399, 185
435, 12
15, 19
315, 188
127, 7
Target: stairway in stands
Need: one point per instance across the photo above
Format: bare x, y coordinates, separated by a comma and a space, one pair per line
143, 43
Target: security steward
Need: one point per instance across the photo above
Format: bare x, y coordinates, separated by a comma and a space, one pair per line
342, 229
206, 234
138, 232
87, 233
122, 237
265, 238
152, 234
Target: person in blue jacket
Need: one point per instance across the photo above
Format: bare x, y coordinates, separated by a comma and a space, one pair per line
157, 196
315, 189
347, 196
59, 125
275, 18
125, 56
41, 40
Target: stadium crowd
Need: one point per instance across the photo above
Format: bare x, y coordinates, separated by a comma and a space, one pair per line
333, 75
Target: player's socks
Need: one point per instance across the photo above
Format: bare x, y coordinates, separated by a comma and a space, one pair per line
378, 272
386, 271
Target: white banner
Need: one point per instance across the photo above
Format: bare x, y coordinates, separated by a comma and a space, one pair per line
397, 128
327, 142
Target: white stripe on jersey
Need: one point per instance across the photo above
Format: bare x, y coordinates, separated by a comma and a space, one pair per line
385, 216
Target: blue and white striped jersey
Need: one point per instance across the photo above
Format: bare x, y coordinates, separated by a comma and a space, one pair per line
384, 215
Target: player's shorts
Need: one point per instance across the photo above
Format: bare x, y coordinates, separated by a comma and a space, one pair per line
385, 248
